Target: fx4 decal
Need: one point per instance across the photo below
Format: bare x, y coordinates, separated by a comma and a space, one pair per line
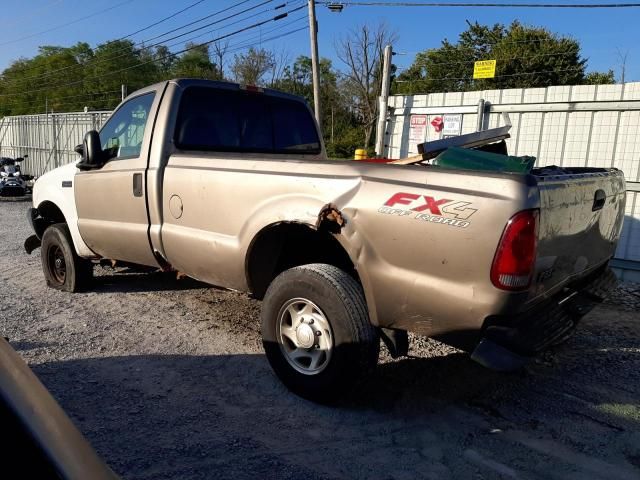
429, 209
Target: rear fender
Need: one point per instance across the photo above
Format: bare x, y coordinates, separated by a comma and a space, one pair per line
315, 213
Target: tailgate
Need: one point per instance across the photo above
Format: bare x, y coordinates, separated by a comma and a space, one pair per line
581, 215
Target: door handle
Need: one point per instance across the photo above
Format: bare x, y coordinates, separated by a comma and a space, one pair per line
598, 200
137, 184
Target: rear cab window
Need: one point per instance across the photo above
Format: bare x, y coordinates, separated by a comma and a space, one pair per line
215, 119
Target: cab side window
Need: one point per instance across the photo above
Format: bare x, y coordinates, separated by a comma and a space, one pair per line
122, 135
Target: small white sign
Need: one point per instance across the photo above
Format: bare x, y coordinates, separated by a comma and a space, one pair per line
452, 125
418, 129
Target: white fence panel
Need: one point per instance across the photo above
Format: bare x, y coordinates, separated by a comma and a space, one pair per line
48, 139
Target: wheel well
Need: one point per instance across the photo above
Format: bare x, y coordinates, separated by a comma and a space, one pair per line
49, 213
286, 245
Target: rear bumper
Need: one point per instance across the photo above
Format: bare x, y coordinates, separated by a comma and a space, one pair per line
508, 341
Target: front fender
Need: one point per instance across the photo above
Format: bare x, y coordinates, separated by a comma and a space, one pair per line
56, 187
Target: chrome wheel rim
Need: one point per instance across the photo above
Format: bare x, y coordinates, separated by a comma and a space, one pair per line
305, 336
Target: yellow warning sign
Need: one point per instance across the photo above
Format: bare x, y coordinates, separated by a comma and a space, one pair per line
484, 69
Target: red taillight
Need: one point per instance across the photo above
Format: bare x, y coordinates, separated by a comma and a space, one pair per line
515, 258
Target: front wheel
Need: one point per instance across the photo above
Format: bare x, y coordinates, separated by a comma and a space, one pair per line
316, 331
63, 269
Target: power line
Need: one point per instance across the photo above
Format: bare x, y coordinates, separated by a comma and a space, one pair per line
254, 38
54, 101
217, 29
499, 59
497, 76
483, 5
116, 93
164, 57
143, 43
168, 17
264, 40
58, 27
159, 59
502, 43
78, 95
222, 20
210, 16
44, 7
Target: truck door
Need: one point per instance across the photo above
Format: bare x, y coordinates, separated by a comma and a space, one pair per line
112, 201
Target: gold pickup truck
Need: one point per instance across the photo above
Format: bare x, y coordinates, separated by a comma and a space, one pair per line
231, 186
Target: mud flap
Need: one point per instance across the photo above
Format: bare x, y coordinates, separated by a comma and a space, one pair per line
31, 243
397, 341
496, 357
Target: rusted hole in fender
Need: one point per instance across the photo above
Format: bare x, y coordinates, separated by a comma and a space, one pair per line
330, 219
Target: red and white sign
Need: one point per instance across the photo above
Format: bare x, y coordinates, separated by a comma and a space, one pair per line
418, 128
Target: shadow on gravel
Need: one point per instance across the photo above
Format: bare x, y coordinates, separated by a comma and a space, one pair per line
143, 280
416, 385
227, 416
156, 416
24, 345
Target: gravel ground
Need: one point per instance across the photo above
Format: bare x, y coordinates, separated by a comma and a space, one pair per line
167, 380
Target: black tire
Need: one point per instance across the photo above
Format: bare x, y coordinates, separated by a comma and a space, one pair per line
63, 269
356, 343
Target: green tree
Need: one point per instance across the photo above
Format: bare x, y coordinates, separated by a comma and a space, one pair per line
525, 57
119, 63
164, 60
600, 78
251, 68
340, 126
60, 69
195, 63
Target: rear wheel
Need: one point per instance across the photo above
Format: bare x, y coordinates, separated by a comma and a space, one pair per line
316, 331
63, 269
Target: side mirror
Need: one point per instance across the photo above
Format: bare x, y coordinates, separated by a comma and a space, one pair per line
91, 151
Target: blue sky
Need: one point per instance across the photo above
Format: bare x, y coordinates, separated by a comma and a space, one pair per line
600, 32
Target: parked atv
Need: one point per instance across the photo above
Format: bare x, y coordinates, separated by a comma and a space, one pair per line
12, 183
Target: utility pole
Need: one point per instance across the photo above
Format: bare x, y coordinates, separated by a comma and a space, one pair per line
315, 68
383, 100
123, 91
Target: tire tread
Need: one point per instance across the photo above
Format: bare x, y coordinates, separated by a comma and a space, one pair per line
361, 336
